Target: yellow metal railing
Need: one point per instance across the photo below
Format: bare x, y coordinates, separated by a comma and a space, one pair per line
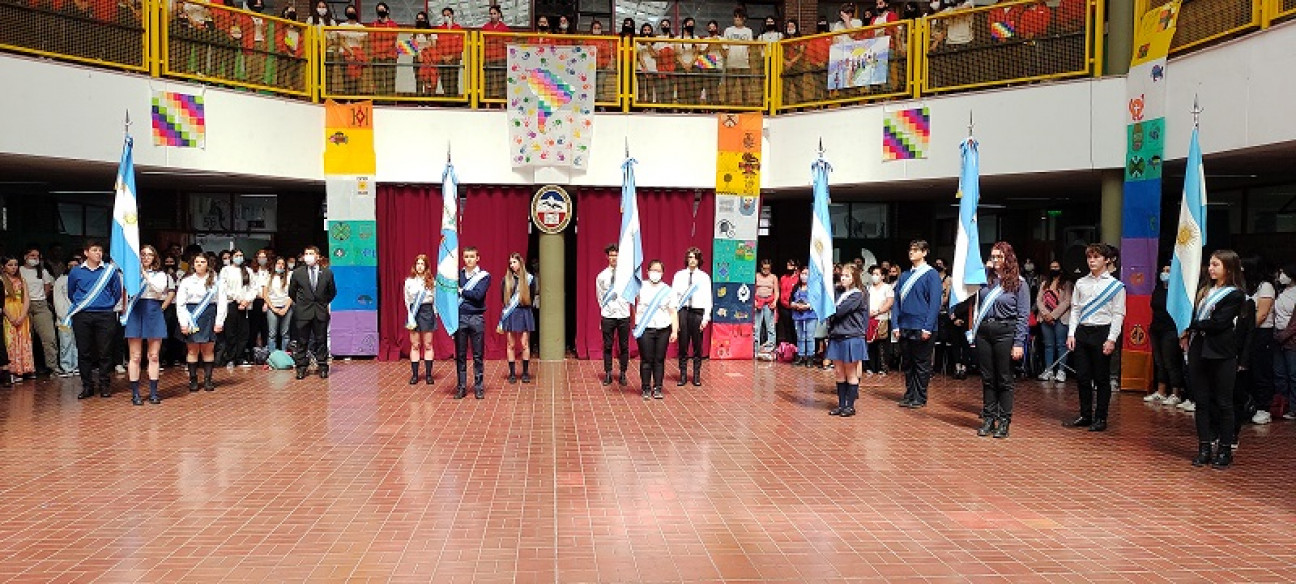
394, 64
864, 64
111, 34
492, 53
1202, 22
239, 48
1008, 43
706, 74
1276, 10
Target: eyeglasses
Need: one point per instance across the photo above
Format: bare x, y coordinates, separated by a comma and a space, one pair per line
996, 256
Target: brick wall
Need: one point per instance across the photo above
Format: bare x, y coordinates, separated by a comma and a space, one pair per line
807, 12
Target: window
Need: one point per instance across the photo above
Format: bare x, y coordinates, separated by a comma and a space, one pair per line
1272, 210
859, 220
84, 220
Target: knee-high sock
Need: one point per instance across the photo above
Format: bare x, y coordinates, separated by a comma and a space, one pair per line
414, 368
526, 366
207, 370
426, 365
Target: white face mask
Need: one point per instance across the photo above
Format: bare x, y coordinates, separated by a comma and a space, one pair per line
1284, 279
238, 260
804, 279
1165, 276
876, 278
322, 12
654, 276
1030, 267
31, 263
309, 259
935, 6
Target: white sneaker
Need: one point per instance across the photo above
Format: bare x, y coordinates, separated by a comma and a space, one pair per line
1154, 398
1060, 377
120, 370
1290, 415
1261, 417
1172, 400
1046, 376
1188, 406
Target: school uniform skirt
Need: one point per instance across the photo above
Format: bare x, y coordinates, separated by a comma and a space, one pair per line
146, 320
850, 349
520, 320
425, 319
206, 323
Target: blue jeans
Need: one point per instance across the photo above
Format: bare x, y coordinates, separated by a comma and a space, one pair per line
764, 338
805, 332
278, 325
1285, 373
1055, 336
67, 349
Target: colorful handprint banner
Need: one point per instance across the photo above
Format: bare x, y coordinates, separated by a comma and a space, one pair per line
550, 104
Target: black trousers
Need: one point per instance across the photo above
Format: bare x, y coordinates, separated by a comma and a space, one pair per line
618, 328
994, 344
234, 336
472, 327
878, 351
1168, 359
785, 328
916, 362
1093, 370
1212, 388
312, 339
258, 326
652, 356
1262, 367
690, 335
94, 332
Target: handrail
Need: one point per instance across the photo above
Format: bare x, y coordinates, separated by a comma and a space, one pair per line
394, 64
812, 80
119, 38
233, 47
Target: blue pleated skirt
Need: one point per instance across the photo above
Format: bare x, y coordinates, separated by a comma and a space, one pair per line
146, 320
425, 319
520, 320
850, 350
206, 323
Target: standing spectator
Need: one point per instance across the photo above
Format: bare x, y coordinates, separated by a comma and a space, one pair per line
67, 343
771, 33
542, 24
605, 75
564, 25
1000, 332
913, 322
95, 289
382, 47
805, 320
647, 77
743, 86
173, 350
312, 289
1054, 305
1285, 339
351, 47
1213, 348
789, 281
428, 73
767, 294
845, 21
494, 51
279, 306
1097, 313
53, 262
236, 282
881, 299
449, 53
883, 15
1260, 351
40, 285
715, 63
290, 45
794, 65
258, 323
17, 325
1167, 355
846, 348
665, 51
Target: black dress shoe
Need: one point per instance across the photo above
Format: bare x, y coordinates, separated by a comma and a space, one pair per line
697, 381
657, 393
607, 378
1002, 430
414, 379
1223, 457
621, 380
1098, 426
683, 380
85, 393
847, 412
107, 393
428, 379
301, 373
1204, 455
460, 392
512, 378
917, 405
193, 384
479, 393
904, 403
835, 411
1081, 422
987, 428
526, 378
137, 400
155, 400
323, 371
209, 385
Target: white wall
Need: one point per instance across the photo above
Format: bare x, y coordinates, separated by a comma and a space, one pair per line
69, 111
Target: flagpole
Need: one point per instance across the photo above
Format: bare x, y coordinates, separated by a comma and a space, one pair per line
1196, 111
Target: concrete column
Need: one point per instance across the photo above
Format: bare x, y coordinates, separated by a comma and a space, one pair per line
1120, 36
553, 316
1113, 197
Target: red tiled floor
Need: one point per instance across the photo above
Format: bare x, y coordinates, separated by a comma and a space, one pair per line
364, 477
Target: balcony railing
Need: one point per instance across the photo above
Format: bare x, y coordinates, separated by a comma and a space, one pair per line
237, 48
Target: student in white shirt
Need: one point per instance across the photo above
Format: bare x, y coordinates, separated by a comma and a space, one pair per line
145, 322
67, 354
881, 296
614, 318
658, 326
278, 306
201, 309
40, 283
1257, 380
258, 323
739, 74
1097, 312
420, 315
236, 282
1285, 338
693, 297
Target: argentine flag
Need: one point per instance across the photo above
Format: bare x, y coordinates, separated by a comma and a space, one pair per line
1190, 238
125, 242
628, 275
447, 274
820, 292
969, 271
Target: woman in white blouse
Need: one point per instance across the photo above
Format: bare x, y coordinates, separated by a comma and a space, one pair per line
278, 306
240, 292
146, 322
258, 323
658, 326
200, 308
420, 316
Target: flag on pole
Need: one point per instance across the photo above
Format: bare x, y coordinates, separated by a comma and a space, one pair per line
969, 271
820, 293
447, 276
628, 275
125, 242
1190, 238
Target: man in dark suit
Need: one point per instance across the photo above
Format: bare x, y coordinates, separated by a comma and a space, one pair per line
311, 289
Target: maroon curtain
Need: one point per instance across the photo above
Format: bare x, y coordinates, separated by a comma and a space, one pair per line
495, 220
670, 224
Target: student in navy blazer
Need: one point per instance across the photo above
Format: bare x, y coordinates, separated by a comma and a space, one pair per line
914, 317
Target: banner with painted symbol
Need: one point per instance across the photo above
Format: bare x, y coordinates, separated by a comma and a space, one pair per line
550, 104
737, 223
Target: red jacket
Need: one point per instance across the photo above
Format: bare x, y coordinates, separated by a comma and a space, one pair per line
494, 48
787, 284
383, 45
450, 46
1034, 21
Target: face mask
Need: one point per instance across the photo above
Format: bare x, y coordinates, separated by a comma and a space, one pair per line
262, 261
804, 279
422, 24
542, 27
1283, 279
562, 27
769, 27
238, 260
876, 278
627, 29
1029, 267
279, 270
654, 276
935, 6
382, 14
596, 31
291, 15
33, 263
1165, 276
1055, 272
791, 31
711, 31
321, 11
665, 29
225, 261
258, 8
351, 15
309, 259
292, 265
688, 28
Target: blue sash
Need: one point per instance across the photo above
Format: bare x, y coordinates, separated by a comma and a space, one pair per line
984, 309
914, 275
651, 311
513, 302
472, 283
1100, 300
687, 294
1207, 306
100, 284
413, 309
202, 307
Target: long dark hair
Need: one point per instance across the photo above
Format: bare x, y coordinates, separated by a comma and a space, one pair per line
1233, 266
1008, 272
193, 267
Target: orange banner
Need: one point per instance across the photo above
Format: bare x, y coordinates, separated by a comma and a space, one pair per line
349, 139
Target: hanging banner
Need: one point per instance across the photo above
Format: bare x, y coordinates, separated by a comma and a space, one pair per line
1145, 122
906, 134
179, 119
550, 104
737, 223
859, 63
348, 138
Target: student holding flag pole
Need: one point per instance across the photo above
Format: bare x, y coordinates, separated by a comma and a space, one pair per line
420, 319
614, 315
619, 284
145, 321
1213, 346
517, 322
658, 326
999, 327
473, 284
201, 310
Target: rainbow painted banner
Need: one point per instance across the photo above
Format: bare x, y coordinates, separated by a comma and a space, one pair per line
733, 275
179, 119
906, 134
550, 104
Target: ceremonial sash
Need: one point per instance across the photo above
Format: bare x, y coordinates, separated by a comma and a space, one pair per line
471, 283
99, 285
651, 311
413, 309
1100, 300
845, 295
513, 302
202, 307
133, 299
687, 294
1208, 305
913, 279
984, 309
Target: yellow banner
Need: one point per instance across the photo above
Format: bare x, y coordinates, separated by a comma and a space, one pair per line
348, 138
738, 157
1154, 33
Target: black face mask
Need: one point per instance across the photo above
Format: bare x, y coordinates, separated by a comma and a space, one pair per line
770, 27
542, 28
258, 9
688, 28
627, 30
351, 16
711, 31
665, 29
382, 14
1055, 273
291, 15
422, 24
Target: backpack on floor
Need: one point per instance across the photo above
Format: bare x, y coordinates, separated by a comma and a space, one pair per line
260, 355
785, 352
279, 360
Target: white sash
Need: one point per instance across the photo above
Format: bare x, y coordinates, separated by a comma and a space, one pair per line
413, 309
100, 284
687, 294
472, 283
651, 311
1208, 304
1100, 300
513, 302
202, 307
984, 309
914, 275
846, 295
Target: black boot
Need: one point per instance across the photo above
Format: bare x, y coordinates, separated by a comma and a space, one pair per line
135, 396
154, 398
193, 376
622, 379
414, 372
683, 378
607, 377
207, 376
1223, 456
697, 371
512, 378
988, 427
1203, 454
427, 368
526, 371
1002, 430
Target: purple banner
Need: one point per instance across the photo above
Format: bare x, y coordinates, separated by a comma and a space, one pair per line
354, 333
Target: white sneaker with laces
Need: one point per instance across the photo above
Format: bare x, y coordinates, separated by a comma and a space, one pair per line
1173, 400
1154, 398
1261, 417
1290, 415
1188, 406
1060, 377
1047, 375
